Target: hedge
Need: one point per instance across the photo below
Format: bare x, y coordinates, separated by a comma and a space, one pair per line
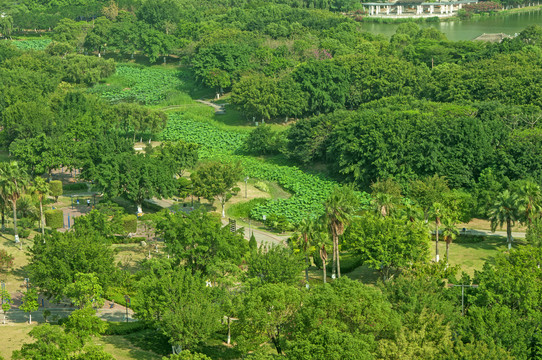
55, 187
54, 218
125, 328
76, 186
127, 240
129, 223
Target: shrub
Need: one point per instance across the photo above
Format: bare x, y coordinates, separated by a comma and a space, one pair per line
76, 186
127, 240
6, 260
260, 185
55, 187
252, 244
242, 210
54, 218
129, 223
125, 328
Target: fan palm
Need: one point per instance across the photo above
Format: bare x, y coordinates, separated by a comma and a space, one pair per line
41, 189
505, 211
12, 181
303, 239
339, 208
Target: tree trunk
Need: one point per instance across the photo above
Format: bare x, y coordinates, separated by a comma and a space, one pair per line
334, 267
436, 244
15, 221
229, 332
338, 257
223, 209
307, 268
30, 318
325, 271
447, 252
139, 209
3, 219
42, 220
509, 233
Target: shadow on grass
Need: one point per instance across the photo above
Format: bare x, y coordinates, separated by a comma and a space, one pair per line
150, 340
215, 348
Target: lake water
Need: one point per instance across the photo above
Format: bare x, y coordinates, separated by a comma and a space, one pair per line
470, 29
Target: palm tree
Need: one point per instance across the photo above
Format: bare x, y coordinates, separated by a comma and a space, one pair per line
531, 200
320, 240
338, 211
449, 233
12, 181
41, 189
505, 211
437, 213
386, 195
303, 239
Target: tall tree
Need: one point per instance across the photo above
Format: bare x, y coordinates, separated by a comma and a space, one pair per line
303, 240
216, 180
505, 210
30, 302
339, 207
41, 189
13, 182
428, 191
386, 195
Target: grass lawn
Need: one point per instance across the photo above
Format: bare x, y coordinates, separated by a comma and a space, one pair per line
13, 337
471, 257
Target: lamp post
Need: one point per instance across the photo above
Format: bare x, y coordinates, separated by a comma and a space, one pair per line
246, 180
463, 286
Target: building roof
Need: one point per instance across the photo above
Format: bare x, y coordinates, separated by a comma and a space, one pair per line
499, 37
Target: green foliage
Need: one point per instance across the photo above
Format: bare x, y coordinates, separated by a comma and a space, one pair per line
55, 261
54, 218
34, 44
212, 139
252, 244
124, 328
266, 312
75, 186
243, 209
385, 243
55, 188
129, 223
263, 140
350, 314
199, 241
187, 355
275, 265
178, 302
144, 85
6, 260
85, 291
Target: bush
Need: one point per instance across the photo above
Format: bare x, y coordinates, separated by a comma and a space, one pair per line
76, 186
55, 187
469, 239
129, 223
125, 328
348, 262
54, 218
260, 185
252, 244
127, 240
242, 210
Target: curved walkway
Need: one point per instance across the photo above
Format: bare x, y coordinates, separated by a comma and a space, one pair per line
219, 109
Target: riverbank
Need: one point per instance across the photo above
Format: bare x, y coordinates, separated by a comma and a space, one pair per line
386, 19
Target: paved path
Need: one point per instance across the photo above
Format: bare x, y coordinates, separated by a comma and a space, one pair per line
260, 235
515, 234
219, 109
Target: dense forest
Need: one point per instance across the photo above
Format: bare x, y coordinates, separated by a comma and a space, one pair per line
382, 147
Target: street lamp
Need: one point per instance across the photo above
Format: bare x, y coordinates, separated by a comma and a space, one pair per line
463, 295
246, 180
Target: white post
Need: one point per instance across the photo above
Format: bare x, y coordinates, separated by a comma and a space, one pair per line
431, 9
371, 10
377, 9
441, 9
388, 10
